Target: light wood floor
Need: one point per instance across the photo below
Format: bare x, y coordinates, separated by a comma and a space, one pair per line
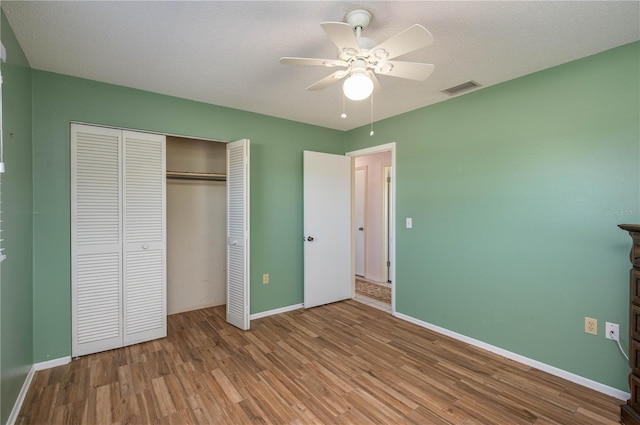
341, 363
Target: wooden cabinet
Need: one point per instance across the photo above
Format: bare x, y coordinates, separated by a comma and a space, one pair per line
630, 412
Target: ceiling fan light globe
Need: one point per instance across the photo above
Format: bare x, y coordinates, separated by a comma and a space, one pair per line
358, 87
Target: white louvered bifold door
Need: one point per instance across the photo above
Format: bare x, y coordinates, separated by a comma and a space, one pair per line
144, 284
238, 234
96, 245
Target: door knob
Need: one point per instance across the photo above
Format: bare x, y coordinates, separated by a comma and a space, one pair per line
310, 238
361, 228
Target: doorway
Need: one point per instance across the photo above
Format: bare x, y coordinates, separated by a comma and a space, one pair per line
374, 228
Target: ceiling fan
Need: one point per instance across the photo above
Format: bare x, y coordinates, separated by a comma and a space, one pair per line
363, 59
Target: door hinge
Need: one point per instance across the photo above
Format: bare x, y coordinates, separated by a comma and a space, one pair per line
388, 263
388, 179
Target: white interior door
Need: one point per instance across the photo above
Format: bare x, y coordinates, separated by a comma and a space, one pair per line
328, 273
238, 234
360, 188
145, 270
96, 244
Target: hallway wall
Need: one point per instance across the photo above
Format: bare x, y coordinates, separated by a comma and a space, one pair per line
375, 261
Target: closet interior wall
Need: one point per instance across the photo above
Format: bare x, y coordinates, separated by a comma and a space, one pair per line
196, 226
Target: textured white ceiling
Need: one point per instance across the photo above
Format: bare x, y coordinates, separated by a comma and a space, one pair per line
227, 52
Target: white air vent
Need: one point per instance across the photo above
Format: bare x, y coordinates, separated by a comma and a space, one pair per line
452, 91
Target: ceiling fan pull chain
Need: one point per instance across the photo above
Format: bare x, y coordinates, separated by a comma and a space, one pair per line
344, 107
371, 133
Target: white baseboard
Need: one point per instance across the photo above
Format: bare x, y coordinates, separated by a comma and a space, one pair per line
52, 363
276, 311
21, 396
585, 382
27, 383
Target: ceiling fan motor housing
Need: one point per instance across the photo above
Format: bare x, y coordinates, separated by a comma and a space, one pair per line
358, 18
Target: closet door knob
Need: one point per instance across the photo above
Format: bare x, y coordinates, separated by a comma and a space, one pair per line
145, 246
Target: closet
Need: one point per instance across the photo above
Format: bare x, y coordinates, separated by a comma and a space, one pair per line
196, 224
147, 242
118, 238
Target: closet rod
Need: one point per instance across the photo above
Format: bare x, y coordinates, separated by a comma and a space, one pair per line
196, 176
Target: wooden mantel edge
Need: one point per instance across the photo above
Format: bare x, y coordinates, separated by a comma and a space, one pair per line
630, 227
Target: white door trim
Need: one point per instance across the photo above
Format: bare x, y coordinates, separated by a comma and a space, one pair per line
360, 191
388, 147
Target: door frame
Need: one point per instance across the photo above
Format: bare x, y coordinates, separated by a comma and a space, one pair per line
387, 147
364, 219
386, 224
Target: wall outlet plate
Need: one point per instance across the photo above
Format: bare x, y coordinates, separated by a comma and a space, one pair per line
591, 326
612, 331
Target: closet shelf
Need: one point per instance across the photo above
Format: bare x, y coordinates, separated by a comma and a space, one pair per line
196, 176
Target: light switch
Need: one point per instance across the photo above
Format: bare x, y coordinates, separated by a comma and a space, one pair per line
409, 222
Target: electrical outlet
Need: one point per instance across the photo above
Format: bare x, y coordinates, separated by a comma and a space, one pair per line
591, 326
612, 331
265, 278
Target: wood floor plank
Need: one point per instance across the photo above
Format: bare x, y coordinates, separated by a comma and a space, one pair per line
275, 384
227, 387
254, 414
130, 410
104, 408
342, 363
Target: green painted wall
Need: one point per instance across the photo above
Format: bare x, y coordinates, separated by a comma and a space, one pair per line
276, 187
16, 314
515, 193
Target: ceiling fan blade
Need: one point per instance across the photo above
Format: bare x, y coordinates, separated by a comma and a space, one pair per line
312, 61
342, 35
413, 38
328, 80
410, 70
